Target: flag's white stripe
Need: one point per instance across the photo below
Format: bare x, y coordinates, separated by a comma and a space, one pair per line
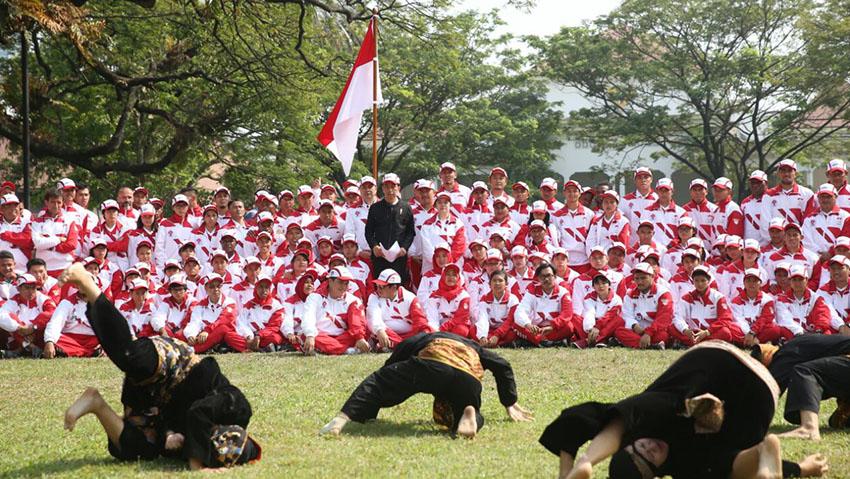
358, 97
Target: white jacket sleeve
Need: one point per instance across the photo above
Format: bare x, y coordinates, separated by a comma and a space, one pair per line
287, 324
243, 324
629, 313
482, 321
54, 326
522, 315
159, 249
785, 319
374, 315
311, 309
588, 314
835, 321
680, 316
432, 312
43, 241
195, 325
159, 316
579, 293
7, 322
740, 320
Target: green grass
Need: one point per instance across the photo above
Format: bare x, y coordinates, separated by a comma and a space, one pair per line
294, 396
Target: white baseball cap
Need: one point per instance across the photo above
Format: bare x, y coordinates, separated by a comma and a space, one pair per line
388, 276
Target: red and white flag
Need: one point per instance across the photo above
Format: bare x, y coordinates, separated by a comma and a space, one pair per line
339, 135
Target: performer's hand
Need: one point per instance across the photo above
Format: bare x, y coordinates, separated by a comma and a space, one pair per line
814, 466
174, 441
519, 414
362, 346
645, 341
202, 338
383, 339
49, 351
378, 251
25, 330
592, 335
309, 346
844, 330
254, 343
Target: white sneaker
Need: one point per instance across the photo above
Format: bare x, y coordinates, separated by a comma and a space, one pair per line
352, 351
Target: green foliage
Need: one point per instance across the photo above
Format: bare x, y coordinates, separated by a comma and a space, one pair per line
186, 90
721, 86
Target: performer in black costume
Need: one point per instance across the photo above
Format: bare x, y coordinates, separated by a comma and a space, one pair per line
172, 400
706, 416
813, 368
445, 365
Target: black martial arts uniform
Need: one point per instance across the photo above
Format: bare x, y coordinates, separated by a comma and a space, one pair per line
749, 400
812, 367
445, 365
164, 381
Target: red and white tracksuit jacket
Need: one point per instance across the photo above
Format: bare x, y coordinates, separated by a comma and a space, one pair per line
15, 238
752, 208
139, 319
474, 218
453, 316
435, 231
17, 312
665, 220
129, 243
756, 316
604, 231
543, 309
315, 230
460, 196
171, 315
634, 207
172, 233
704, 215
601, 314
730, 278
729, 219
631, 252
262, 319
520, 212
792, 204
216, 319
109, 235
803, 256
47, 245
799, 315
325, 315
651, 310
480, 286
401, 316
206, 242
508, 228
293, 314
69, 328
355, 224
821, 229
522, 281
838, 302
705, 311
492, 317
583, 286
573, 227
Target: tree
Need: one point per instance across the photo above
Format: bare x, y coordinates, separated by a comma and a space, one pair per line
721, 86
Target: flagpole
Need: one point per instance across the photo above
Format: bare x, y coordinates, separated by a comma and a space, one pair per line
375, 97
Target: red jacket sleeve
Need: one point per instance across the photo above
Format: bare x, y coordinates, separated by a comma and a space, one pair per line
506, 325
71, 241
735, 224
460, 317
565, 316
121, 245
458, 245
663, 315
766, 318
625, 234
22, 240
418, 318
724, 312
356, 320
47, 309
819, 318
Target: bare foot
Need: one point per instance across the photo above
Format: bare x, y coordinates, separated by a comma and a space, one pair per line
468, 425
334, 428
814, 466
802, 433
88, 402
74, 274
582, 470
770, 458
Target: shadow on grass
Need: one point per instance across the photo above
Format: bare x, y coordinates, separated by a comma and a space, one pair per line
381, 428
68, 465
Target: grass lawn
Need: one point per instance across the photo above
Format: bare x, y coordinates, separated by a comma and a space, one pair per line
294, 396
